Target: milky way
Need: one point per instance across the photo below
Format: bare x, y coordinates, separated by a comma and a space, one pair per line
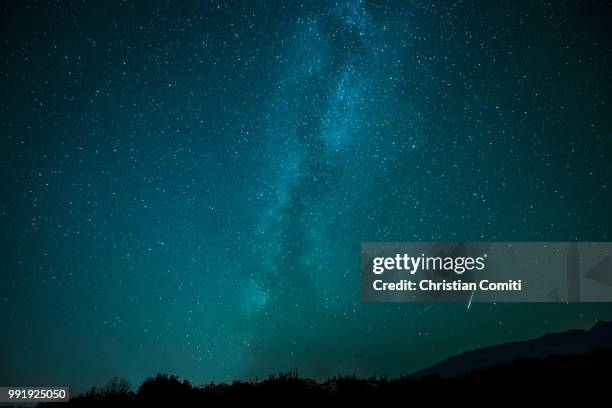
185, 187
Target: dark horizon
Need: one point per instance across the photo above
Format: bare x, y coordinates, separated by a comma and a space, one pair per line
570, 343
528, 376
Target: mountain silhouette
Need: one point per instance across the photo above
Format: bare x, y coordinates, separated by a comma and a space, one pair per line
555, 344
548, 380
549, 368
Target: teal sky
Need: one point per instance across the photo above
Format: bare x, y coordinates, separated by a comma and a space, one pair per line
185, 186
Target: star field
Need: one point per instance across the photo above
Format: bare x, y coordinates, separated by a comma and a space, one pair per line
185, 186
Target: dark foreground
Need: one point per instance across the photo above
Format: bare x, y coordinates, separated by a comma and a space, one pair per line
551, 379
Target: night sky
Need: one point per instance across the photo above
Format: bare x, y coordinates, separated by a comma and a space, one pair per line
184, 187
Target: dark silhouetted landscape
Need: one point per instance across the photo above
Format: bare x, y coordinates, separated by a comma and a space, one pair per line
555, 344
550, 368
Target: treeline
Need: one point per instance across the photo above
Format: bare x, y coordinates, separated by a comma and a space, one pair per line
553, 378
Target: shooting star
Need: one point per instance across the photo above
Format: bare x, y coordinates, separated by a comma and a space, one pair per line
470, 301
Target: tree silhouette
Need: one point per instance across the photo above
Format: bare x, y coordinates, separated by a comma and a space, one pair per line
116, 387
553, 378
